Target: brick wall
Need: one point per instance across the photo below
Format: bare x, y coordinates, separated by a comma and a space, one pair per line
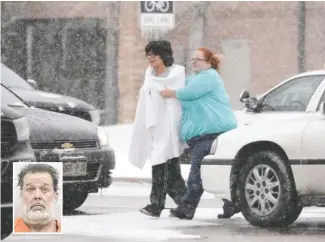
270, 27
132, 62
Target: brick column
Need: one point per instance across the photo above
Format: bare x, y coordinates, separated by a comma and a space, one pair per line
132, 62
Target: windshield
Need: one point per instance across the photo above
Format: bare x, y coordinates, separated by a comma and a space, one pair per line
11, 79
8, 98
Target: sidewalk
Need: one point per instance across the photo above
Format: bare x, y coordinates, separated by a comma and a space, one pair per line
134, 190
128, 173
119, 138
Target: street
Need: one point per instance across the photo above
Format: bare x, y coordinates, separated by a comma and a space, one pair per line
112, 215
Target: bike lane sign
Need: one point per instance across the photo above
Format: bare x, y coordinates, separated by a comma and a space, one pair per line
157, 15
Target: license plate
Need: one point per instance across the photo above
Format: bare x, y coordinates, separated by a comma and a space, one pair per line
74, 168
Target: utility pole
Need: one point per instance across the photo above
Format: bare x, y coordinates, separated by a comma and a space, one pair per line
302, 36
111, 80
197, 28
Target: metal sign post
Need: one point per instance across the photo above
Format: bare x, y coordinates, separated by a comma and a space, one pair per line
156, 18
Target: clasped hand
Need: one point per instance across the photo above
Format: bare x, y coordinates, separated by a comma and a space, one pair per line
167, 93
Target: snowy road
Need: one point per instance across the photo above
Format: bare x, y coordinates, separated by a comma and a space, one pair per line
113, 216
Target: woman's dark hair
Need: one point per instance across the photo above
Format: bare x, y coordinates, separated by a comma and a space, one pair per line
163, 49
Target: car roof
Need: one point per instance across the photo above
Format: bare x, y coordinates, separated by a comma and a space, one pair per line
309, 73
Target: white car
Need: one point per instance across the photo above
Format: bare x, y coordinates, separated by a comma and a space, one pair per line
270, 170
295, 96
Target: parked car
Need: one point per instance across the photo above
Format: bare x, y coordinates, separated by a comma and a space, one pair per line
295, 96
82, 146
46, 100
15, 147
270, 170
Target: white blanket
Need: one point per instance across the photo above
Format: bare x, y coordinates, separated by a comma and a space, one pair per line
156, 132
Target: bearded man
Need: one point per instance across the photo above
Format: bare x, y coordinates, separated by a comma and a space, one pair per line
38, 195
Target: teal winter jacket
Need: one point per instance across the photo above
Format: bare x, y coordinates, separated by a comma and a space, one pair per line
206, 105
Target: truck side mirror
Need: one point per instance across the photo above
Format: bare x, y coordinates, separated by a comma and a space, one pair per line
252, 103
243, 96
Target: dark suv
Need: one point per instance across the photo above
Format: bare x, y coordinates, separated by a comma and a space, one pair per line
82, 146
46, 100
15, 147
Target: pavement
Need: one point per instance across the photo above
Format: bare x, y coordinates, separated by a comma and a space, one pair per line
112, 215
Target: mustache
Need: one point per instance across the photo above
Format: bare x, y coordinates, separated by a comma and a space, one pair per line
37, 205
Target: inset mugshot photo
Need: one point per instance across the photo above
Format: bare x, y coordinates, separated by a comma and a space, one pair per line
37, 197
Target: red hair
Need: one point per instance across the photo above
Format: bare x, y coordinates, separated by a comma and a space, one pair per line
213, 59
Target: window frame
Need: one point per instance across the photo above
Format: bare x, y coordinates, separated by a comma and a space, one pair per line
321, 100
322, 82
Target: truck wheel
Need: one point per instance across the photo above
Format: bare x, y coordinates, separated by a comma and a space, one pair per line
266, 192
74, 200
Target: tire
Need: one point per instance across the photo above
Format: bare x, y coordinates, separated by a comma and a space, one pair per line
74, 200
295, 215
6, 222
280, 202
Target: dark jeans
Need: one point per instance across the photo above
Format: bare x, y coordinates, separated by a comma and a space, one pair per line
200, 147
167, 179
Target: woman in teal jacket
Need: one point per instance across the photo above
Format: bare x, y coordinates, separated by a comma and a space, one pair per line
207, 113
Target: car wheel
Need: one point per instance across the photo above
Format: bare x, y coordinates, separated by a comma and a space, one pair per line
6, 222
266, 191
74, 200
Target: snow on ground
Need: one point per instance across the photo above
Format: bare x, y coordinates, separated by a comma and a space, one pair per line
131, 225
119, 138
132, 190
136, 226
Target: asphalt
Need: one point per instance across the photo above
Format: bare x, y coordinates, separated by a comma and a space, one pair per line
113, 216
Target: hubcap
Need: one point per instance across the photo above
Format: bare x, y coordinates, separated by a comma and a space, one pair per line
262, 190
